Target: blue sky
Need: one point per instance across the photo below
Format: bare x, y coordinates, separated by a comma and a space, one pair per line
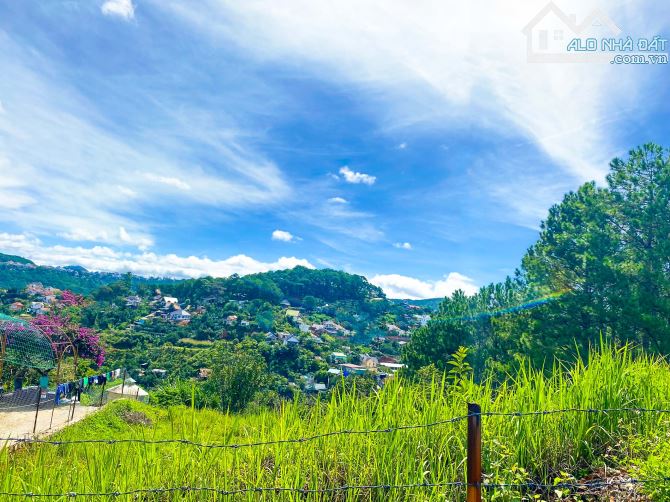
410, 142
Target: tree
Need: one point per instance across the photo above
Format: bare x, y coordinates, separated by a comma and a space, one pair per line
239, 372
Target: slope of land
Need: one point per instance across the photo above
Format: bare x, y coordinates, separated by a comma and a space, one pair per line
570, 446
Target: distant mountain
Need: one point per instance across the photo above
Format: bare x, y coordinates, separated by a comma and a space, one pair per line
4, 258
428, 303
75, 268
17, 272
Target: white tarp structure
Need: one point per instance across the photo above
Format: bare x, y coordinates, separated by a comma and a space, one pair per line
130, 391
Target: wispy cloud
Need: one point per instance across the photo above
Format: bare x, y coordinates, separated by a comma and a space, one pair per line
356, 177
170, 181
53, 136
456, 65
401, 286
402, 245
119, 8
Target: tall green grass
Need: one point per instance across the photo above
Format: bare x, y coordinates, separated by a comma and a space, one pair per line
515, 449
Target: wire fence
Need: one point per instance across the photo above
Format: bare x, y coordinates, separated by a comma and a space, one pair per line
333, 433
474, 485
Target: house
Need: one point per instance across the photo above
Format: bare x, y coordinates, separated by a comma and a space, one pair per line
35, 288
50, 299
270, 336
16, 306
334, 371
38, 308
352, 369
204, 373
179, 315
292, 313
133, 301
393, 366
338, 356
169, 301
369, 362
292, 340
160, 373
245, 323
317, 329
285, 303
231, 319
392, 328
316, 339
319, 387
333, 328
551, 30
304, 328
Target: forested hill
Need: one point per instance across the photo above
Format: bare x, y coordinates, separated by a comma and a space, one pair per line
17, 272
10, 258
294, 284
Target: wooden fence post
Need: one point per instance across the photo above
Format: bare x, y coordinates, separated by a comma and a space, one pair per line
474, 491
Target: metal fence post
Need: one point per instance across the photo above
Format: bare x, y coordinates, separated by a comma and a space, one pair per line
474, 491
37, 408
123, 384
102, 394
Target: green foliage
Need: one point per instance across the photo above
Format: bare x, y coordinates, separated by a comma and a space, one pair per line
238, 374
603, 255
185, 393
515, 449
17, 273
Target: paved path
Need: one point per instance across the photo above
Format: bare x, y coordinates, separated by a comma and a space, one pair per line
19, 423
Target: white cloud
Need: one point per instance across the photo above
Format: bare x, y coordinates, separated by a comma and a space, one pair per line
120, 8
401, 286
337, 200
141, 242
284, 236
356, 177
2, 108
402, 146
103, 258
402, 245
170, 181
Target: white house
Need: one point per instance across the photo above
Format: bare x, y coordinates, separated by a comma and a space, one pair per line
133, 301
169, 300
37, 308
179, 315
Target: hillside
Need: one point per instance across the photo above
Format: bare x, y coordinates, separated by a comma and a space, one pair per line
5, 258
417, 463
17, 272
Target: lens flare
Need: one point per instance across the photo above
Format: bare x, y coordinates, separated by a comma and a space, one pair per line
535, 302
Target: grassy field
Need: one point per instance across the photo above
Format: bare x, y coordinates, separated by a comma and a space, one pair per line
516, 449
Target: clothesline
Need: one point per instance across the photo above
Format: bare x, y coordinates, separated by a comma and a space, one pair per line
67, 389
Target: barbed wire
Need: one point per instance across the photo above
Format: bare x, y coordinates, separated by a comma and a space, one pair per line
532, 486
570, 410
238, 445
314, 437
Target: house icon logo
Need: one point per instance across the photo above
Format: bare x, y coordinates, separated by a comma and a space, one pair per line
551, 30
